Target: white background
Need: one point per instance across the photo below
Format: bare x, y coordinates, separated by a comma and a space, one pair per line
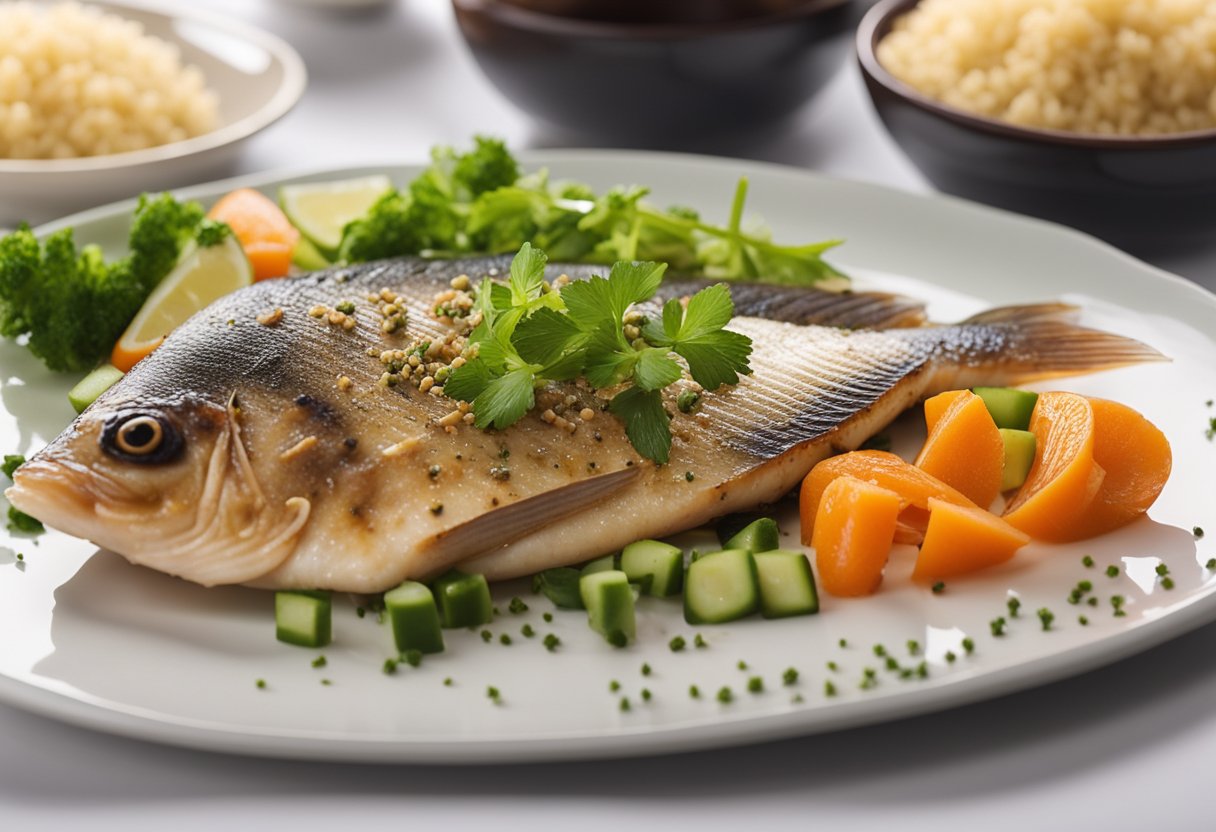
1127, 747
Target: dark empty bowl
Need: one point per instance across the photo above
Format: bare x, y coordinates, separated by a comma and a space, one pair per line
1144, 194
660, 69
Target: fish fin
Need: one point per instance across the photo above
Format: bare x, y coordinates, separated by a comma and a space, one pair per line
1017, 344
1020, 315
505, 525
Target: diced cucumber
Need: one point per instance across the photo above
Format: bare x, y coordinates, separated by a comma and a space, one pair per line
93, 385
1010, 407
303, 617
463, 599
787, 586
604, 564
1019, 457
757, 536
730, 525
414, 618
658, 567
609, 602
560, 586
308, 257
721, 587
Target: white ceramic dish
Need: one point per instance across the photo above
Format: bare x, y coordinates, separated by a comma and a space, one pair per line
257, 77
99, 643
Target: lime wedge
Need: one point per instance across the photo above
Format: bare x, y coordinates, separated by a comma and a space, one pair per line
306, 256
202, 275
320, 210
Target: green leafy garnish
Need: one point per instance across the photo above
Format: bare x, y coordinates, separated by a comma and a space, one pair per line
479, 202
11, 463
19, 521
530, 335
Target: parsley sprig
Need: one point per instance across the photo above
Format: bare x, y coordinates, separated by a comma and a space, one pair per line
531, 335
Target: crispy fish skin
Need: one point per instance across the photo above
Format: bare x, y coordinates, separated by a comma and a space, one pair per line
297, 469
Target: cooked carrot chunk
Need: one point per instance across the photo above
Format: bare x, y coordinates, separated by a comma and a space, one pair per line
964, 449
853, 533
962, 539
1065, 476
266, 235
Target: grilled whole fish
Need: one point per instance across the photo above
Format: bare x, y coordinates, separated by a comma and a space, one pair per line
262, 449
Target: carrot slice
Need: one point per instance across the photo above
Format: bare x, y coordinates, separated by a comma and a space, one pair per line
962, 539
964, 448
881, 468
266, 234
853, 533
1137, 460
1065, 477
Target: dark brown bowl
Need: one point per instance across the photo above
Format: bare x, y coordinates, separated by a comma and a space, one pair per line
1143, 194
652, 71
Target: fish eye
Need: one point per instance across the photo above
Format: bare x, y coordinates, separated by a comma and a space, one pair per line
141, 437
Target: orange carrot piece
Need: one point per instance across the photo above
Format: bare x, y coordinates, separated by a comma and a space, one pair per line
853, 533
881, 468
266, 235
964, 449
963, 539
1065, 476
1137, 460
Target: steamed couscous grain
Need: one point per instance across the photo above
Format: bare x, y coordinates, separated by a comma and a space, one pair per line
78, 82
1114, 67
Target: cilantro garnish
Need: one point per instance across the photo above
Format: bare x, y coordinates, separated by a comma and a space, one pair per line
531, 334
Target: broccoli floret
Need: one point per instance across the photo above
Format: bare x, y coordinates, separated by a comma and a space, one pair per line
212, 233
385, 231
489, 165
72, 304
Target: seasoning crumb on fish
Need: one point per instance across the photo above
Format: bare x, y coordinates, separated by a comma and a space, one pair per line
517, 500
270, 317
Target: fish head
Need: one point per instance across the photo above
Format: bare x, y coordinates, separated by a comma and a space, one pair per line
167, 482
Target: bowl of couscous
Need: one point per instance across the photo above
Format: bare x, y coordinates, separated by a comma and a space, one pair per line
102, 100
1100, 114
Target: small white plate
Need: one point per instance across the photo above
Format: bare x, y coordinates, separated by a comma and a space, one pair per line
257, 77
94, 641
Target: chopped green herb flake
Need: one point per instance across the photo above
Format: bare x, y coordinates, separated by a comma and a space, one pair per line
326, 682
614, 686
447, 682
689, 476
676, 644
842, 643
913, 647
625, 706
832, 666
1093, 601
645, 670
1112, 571
789, 677
939, 588
879, 650
646, 694
922, 670
1046, 616
548, 617
517, 606
997, 626
505, 640
796, 699
617, 638
1087, 562
1083, 621
261, 684
699, 641
829, 689
1162, 570
320, 661
1085, 586
1013, 605
950, 657
412, 657
725, 696
360, 612
1167, 583
1197, 532
741, 665
19, 521
755, 685
1211, 564
389, 667
552, 642
11, 463
487, 636
891, 663
968, 646
526, 631
493, 694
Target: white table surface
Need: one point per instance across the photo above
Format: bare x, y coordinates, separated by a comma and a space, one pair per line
1127, 747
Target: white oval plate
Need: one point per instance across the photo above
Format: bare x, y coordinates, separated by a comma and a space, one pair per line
258, 78
94, 641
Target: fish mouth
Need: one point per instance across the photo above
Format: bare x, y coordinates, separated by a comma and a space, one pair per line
227, 532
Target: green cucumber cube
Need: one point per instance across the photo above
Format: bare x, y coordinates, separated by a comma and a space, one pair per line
721, 587
1019, 457
787, 586
604, 564
658, 567
93, 385
609, 602
730, 525
303, 617
414, 618
757, 536
1009, 407
463, 599
560, 586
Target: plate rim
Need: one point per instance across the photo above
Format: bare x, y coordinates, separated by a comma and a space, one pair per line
979, 685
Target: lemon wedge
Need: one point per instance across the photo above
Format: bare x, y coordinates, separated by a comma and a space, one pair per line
320, 210
201, 276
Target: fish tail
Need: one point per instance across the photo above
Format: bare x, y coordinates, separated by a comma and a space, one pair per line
1018, 344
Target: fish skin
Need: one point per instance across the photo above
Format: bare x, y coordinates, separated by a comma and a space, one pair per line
288, 481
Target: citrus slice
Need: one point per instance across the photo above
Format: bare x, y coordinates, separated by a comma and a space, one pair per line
201, 276
320, 210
